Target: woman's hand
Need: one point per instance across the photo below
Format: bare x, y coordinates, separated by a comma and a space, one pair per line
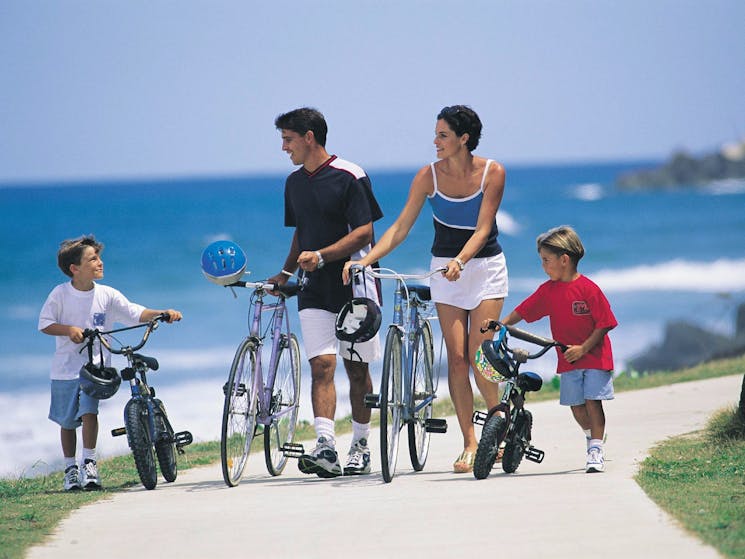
346, 275
453, 271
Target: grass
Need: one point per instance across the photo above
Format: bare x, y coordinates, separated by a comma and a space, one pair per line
33, 507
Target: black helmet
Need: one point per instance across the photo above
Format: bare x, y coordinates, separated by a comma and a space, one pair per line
493, 361
358, 320
99, 382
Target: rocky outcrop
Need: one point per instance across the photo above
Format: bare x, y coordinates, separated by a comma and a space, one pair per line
686, 345
684, 169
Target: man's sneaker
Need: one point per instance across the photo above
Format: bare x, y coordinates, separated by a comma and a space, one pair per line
90, 479
358, 462
595, 461
72, 479
322, 461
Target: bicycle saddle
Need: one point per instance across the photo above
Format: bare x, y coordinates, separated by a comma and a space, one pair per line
422, 291
150, 362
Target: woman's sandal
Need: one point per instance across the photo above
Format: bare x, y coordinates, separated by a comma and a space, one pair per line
464, 463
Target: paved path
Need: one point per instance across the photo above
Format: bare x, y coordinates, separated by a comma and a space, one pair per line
551, 509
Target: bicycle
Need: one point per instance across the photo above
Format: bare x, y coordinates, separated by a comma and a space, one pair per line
250, 401
499, 362
146, 424
407, 385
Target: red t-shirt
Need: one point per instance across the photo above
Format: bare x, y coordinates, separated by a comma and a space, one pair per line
575, 309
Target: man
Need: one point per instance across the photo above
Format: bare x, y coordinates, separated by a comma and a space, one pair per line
330, 204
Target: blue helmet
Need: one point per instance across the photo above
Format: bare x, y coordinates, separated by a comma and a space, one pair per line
99, 382
223, 262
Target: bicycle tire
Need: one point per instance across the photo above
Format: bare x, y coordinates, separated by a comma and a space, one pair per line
422, 387
492, 435
519, 441
390, 403
285, 394
138, 436
239, 413
165, 449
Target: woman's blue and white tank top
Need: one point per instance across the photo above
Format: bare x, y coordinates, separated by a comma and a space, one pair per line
455, 221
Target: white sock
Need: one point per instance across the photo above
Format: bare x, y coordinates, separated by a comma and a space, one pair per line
70, 462
89, 454
360, 431
596, 443
588, 436
325, 428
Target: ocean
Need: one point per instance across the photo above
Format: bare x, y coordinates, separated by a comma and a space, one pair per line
659, 255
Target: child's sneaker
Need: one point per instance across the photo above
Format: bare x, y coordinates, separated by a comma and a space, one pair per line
322, 461
90, 475
595, 461
72, 479
358, 462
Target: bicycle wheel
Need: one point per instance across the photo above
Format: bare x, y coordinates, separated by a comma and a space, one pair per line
165, 448
285, 398
138, 436
519, 440
492, 435
421, 389
239, 413
390, 403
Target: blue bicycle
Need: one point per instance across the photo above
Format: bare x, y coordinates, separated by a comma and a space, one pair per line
408, 386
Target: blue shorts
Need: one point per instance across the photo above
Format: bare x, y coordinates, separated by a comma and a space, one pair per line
69, 404
585, 384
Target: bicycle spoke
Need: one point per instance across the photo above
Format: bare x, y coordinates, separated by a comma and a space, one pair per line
285, 399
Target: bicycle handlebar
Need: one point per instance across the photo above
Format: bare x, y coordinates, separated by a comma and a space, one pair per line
376, 273
91, 334
286, 290
515, 332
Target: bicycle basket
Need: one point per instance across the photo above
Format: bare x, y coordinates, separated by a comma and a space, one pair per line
358, 321
493, 361
223, 262
99, 382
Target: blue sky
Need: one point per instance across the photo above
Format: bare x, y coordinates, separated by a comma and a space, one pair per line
151, 89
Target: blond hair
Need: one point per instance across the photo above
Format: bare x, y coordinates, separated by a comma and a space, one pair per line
562, 240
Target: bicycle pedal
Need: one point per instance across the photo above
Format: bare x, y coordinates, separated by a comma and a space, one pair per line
239, 391
118, 432
479, 417
372, 401
436, 425
182, 438
534, 455
292, 450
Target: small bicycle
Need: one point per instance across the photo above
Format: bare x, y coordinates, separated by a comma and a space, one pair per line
250, 400
407, 386
149, 432
500, 363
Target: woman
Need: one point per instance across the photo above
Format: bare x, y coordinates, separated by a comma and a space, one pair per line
464, 191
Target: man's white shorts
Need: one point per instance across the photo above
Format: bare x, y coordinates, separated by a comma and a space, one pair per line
319, 338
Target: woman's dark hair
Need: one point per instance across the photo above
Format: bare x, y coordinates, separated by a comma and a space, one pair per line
302, 120
463, 120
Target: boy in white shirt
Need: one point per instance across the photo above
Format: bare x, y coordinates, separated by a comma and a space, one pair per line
70, 308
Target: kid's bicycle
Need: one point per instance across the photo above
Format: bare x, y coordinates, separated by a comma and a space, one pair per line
500, 363
149, 432
407, 386
255, 404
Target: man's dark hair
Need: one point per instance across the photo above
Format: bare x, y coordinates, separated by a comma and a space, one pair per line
463, 120
302, 120
71, 251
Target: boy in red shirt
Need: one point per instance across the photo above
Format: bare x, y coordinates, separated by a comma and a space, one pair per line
580, 318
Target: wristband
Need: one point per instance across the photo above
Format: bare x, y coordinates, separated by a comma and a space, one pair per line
320, 259
285, 272
460, 263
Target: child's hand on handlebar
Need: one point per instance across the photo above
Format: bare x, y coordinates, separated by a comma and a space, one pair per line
172, 316
489, 324
76, 334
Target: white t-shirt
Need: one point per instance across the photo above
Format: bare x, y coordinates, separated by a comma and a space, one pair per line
100, 308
